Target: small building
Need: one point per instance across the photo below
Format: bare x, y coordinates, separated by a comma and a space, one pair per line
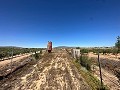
76, 53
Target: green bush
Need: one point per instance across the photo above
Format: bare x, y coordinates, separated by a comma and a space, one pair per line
36, 56
92, 81
77, 47
84, 51
104, 51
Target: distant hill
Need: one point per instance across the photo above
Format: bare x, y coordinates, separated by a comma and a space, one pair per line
10, 47
16, 47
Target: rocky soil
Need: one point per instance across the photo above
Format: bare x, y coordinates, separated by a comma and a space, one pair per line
54, 71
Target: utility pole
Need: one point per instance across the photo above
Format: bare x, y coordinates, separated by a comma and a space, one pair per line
100, 70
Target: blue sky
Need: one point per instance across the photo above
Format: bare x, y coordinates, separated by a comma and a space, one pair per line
85, 23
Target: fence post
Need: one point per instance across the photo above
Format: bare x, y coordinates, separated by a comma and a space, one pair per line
100, 70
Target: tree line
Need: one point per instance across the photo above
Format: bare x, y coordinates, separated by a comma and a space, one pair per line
9, 51
114, 50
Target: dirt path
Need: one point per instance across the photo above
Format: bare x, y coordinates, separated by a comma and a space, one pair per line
54, 71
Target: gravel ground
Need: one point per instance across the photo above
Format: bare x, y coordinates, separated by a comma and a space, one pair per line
54, 71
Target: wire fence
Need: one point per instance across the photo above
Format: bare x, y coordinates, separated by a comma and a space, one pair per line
12, 63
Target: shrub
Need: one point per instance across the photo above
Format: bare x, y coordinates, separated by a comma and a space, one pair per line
92, 81
77, 47
85, 62
36, 56
84, 51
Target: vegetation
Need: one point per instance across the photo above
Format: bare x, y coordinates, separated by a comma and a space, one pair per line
115, 51
92, 81
7, 51
84, 51
103, 51
106, 50
117, 44
77, 47
85, 62
37, 55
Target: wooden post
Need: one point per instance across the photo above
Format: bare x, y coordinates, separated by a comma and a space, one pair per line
100, 70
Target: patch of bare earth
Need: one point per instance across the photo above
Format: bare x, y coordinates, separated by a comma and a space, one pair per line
54, 71
109, 79
109, 65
